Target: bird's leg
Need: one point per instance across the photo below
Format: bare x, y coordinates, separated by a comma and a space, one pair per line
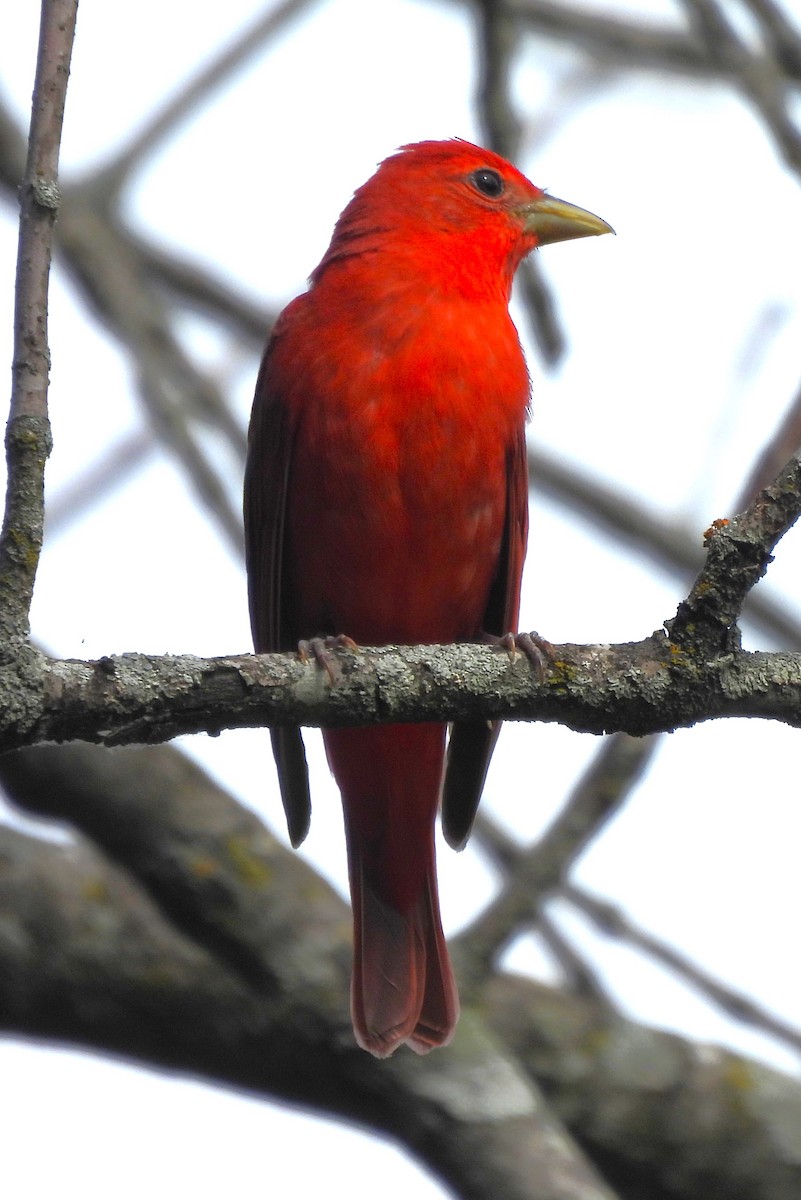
319, 649
539, 652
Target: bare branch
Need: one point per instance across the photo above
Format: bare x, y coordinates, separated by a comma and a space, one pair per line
738, 556
106, 474
469, 1112
185, 103
28, 437
538, 871
177, 394
757, 75
207, 862
780, 34
671, 546
785, 443
580, 978
124, 280
502, 130
636, 43
612, 921
198, 289
636, 687
505, 853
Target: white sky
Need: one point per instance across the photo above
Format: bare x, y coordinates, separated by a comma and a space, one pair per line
653, 397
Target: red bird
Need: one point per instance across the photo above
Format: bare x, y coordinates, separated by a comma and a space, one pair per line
386, 499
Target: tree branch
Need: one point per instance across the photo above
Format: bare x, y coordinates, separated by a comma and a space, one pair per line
671, 546
176, 393
108, 472
664, 1118
187, 100
497, 42
637, 687
537, 871
580, 978
469, 1112
631, 44
782, 37
124, 281
88, 958
28, 438
739, 552
695, 674
779, 449
757, 75
612, 921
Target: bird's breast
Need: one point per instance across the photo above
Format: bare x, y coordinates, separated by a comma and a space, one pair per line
398, 483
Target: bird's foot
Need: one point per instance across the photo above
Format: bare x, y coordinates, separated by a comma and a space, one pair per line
539, 652
319, 649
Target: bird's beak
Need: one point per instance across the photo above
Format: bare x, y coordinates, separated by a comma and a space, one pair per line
552, 220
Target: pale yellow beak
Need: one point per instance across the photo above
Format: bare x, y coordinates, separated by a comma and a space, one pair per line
552, 220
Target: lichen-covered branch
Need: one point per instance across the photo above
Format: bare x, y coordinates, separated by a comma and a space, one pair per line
145, 967
663, 1117
738, 556
639, 687
149, 969
696, 672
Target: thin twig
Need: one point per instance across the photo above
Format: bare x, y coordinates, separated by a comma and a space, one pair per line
178, 395
671, 546
757, 75
580, 978
502, 129
785, 442
185, 103
538, 871
198, 289
613, 40
780, 34
28, 436
118, 281
505, 853
612, 921
106, 474
739, 552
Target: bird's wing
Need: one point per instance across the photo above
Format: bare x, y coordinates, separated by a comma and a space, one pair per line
472, 742
269, 462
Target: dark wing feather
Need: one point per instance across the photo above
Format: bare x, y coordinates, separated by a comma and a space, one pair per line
472, 742
266, 480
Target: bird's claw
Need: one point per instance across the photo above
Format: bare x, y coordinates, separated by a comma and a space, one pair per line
539, 652
319, 649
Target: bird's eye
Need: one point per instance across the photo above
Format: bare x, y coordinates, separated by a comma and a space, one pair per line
488, 182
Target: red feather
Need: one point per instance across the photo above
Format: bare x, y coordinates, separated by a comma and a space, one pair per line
386, 499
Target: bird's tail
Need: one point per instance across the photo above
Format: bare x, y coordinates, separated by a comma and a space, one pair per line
402, 988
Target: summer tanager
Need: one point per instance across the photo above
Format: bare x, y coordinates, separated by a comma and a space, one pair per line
386, 500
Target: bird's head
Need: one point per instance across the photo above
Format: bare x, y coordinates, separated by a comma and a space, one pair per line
439, 203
